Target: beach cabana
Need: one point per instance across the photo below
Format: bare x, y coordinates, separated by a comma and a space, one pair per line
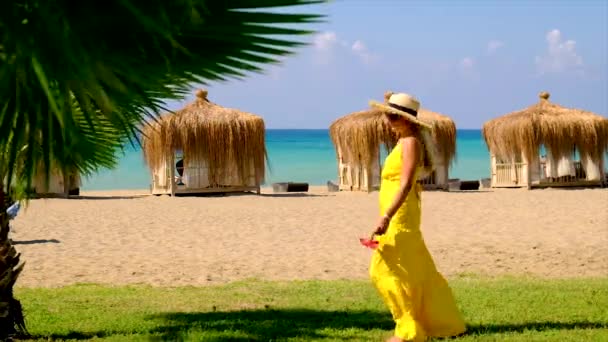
547, 145
58, 184
205, 148
359, 137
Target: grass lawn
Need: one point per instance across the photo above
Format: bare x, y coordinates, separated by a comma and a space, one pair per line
504, 309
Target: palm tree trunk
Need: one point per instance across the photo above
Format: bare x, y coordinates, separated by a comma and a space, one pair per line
11, 314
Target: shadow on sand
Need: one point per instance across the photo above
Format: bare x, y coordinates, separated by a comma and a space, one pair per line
35, 242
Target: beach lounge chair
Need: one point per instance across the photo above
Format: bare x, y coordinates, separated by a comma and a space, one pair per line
13, 210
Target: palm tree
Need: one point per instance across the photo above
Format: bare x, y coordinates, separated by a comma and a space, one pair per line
75, 75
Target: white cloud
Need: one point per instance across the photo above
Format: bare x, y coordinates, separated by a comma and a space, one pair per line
561, 55
325, 40
494, 45
467, 63
468, 70
326, 44
360, 49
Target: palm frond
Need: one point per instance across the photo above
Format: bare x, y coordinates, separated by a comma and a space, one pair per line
119, 61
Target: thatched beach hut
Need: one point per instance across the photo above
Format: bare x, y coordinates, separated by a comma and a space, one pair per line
58, 184
359, 137
574, 141
212, 149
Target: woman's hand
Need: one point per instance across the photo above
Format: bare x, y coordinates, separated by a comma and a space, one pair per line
382, 225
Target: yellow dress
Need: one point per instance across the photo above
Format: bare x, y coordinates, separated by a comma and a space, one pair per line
403, 270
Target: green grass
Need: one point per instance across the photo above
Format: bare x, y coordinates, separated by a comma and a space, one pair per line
505, 309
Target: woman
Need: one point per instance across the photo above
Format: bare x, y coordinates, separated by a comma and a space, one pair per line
402, 269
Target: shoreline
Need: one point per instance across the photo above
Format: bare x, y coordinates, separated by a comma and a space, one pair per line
316, 189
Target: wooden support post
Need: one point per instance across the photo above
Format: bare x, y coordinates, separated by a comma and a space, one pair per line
603, 176
526, 171
172, 173
492, 170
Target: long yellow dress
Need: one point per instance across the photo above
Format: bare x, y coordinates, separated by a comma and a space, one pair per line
403, 270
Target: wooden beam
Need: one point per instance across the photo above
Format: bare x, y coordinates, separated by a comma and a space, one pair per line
172, 173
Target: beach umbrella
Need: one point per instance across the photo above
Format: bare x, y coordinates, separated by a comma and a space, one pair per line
226, 140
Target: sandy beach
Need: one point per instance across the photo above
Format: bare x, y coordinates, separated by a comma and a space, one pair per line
128, 237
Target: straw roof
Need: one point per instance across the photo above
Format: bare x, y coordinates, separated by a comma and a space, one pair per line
444, 134
560, 129
226, 139
359, 135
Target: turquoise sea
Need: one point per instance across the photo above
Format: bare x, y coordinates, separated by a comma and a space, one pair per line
294, 155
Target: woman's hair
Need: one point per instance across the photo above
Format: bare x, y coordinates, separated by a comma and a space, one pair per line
428, 148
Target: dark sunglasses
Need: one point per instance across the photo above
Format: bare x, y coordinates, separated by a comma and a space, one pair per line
392, 117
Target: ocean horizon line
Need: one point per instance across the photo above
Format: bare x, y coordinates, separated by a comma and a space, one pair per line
327, 129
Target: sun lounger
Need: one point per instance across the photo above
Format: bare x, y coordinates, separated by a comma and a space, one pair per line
13, 210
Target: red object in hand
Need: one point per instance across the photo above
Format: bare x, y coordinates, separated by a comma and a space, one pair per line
369, 243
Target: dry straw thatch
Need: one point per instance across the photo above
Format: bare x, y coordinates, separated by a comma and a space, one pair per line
559, 129
359, 135
444, 134
225, 139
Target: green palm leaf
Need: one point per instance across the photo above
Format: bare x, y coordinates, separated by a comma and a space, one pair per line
122, 59
77, 78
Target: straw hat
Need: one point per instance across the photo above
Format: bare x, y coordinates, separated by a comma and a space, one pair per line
401, 104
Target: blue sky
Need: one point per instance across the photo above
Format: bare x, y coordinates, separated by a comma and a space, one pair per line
472, 60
